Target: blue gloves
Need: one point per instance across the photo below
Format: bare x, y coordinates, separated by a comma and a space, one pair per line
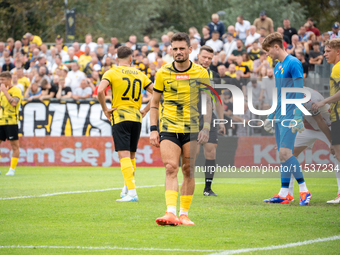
296, 124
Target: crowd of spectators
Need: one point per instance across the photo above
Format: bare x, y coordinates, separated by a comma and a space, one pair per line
44, 71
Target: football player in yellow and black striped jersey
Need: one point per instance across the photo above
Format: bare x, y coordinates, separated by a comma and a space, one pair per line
126, 84
179, 84
332, 55
10, 97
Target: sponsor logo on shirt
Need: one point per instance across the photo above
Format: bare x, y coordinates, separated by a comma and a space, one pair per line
182, 76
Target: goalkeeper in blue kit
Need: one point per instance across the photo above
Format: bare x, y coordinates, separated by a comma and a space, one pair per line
288, 74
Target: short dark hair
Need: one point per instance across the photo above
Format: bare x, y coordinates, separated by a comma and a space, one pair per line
316, 43
124, 52
6, 74
206, 48
43, 82
181, 36
215, 32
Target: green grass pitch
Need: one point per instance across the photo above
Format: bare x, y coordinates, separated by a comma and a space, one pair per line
236, 219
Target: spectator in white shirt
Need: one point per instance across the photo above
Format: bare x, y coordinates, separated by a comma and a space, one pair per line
195, 49
252, 36
111, 54
215, 42
242, 28
152, 55
230, 45
75, 76
83, 91
88, 42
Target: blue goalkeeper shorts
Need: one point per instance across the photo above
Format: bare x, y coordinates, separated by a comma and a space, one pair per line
285, 138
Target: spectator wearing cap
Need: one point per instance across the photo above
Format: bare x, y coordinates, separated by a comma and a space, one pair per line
230, 44
34, 39
88, 42
335, 31
25, 45
216, 25
77, 51
83, 91
70, 58
215, 43
206, 35
85, 58
252, 36
100, 42
75, 76
288, 30
242, 28
152, 55
259, 63
195, 49
59, 40
265, 22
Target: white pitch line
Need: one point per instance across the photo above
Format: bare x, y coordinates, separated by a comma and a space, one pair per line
99, 248
79, 191
275, 247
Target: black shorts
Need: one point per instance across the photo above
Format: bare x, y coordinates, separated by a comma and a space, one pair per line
178, 138
9, 132
335, 132
213, 134
126, 135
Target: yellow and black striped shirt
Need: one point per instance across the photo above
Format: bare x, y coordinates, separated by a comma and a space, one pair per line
334, 88
9, 115
180, 91
126, 84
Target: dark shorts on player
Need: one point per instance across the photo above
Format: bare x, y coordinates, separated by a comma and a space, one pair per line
9, 132
335, 132
178, 138
213, 134
126, 135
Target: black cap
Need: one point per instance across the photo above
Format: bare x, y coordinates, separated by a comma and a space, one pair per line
263, 12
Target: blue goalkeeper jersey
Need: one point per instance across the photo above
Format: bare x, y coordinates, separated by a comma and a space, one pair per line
288, 74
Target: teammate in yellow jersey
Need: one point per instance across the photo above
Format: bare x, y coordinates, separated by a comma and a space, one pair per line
332, 55
10, 97
126, 84
179, 125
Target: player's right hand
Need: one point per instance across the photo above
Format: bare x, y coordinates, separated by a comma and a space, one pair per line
154, 138
316, 106
108, 113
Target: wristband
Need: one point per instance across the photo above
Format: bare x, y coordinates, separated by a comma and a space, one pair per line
153, 128
206, 125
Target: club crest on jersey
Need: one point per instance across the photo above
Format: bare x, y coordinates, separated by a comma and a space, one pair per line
280, 66
182, 76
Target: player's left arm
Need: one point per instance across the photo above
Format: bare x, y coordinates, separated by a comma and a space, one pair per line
323, 126
146, 109
13, 101
220, 113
